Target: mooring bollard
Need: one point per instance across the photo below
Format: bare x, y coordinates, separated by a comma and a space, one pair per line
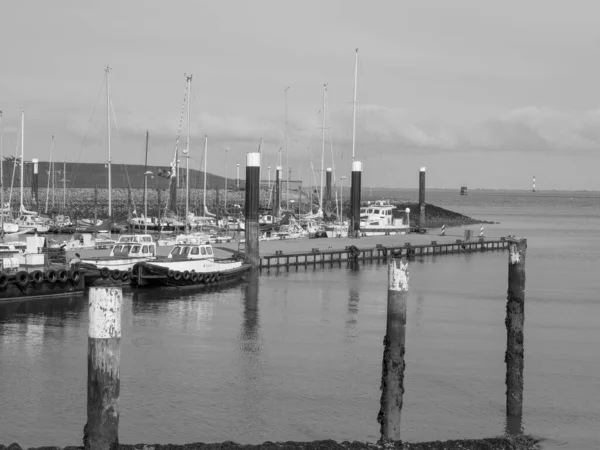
392, 372
515, 319
101, 431
422, 197
252, 206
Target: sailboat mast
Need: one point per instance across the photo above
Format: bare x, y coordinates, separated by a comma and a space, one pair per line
187, 153
354, 104
22, 151
64, 185
287, 153
322, 150
146, 169
1, 177
108, 133
205, 158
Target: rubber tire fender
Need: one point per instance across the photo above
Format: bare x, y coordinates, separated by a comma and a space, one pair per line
22, 278
115, 274
62, 275
125, 276
3, 280
37, 276
194, 277
105, 272
171, 273
75, 275
50, 276
186, 275
177, 275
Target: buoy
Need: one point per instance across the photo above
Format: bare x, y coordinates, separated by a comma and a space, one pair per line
443, 233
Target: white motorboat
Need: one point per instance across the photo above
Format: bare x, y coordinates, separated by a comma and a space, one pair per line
128, 250
378, 219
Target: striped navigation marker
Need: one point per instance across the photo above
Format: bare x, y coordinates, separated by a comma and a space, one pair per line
481, 231
443, 233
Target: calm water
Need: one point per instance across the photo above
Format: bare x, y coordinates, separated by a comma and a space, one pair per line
297, 355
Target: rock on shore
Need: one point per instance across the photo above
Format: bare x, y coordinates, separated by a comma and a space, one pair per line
521, 442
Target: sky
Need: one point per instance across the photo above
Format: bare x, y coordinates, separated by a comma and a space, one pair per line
482, 94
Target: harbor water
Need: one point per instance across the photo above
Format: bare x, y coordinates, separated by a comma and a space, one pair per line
296, 354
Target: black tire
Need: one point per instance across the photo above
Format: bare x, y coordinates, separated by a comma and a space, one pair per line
37, 276
62, 275
194, 277
171, 273
22, 278
125, 276
50, 276
3, 280
200, 277
177, 275
186, 275
115, 274
75, 275
105, 272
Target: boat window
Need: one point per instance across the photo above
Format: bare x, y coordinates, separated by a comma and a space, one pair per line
185, 250
209, 250
135, 249
376, 211
145, 249
175, 251
195, 251
126, 248
203, 250
152, 249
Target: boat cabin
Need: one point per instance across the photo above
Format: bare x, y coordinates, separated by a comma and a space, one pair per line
134, 245
192, 251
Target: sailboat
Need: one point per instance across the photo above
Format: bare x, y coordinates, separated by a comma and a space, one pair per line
8, 224
28, 221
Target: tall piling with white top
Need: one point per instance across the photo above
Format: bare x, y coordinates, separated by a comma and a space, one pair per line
277, 204
422, 197
252, 206
328, 186
355, 199
101, 431
34, 182
515, 321
392, 373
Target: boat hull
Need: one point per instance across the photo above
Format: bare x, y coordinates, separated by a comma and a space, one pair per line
150, 275
109, 271
12, 290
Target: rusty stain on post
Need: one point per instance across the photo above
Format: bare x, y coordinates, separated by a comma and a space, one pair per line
104, 359
515, 319
392, 374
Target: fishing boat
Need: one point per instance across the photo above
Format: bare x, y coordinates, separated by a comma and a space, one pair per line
116, 267
378, 219
463, 190
20, 280
189, 265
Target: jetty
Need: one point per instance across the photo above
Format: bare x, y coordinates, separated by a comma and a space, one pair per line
329, 251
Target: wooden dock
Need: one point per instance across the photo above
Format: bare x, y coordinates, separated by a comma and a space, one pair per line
380, 252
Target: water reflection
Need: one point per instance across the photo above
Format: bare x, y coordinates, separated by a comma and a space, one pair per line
419, 311
250, 343
59, 307
352, 317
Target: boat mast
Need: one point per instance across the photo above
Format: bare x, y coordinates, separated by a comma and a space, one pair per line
108, 69
64, 186
146, 169
205, 158
287, 153
354, 104
225, 207
322, 150
1, 177
187, 152
22, 151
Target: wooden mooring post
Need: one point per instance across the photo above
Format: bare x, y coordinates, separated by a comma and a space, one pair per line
252, 206
101, 431
515, 320
355, 199
422, 197
392, 372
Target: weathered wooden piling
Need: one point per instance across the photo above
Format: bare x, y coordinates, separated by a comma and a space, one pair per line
515, 319
328, 186
355, 199
422, 197
392, 373
277, 203
251, 206
101, 431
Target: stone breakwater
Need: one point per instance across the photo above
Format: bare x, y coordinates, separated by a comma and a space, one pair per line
518, 442
79, 203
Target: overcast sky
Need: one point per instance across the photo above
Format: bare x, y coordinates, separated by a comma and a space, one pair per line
486, 94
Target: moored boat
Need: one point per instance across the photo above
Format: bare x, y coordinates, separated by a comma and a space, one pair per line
190, 265
378, 219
